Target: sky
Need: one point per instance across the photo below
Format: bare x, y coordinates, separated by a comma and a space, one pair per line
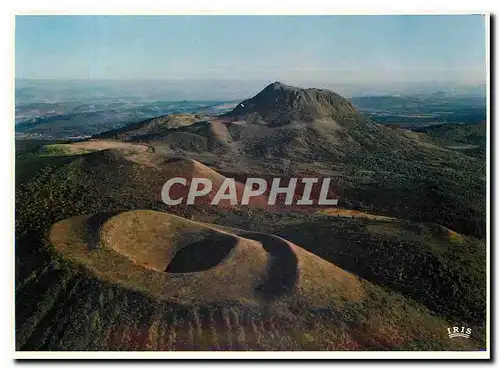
336, 49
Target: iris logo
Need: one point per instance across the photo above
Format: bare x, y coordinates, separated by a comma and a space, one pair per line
459, 332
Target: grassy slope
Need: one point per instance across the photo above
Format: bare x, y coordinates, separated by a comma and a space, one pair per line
65, 309
423, 261
385, 170
61, 299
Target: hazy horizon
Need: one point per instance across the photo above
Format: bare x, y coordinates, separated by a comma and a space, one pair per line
214, 89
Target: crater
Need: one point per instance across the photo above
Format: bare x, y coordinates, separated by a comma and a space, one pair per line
173, 246
186, 261
202, 255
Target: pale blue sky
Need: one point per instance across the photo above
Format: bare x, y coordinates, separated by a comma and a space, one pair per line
340, 49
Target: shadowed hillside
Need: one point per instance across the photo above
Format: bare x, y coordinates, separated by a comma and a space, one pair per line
427, 262
293, 131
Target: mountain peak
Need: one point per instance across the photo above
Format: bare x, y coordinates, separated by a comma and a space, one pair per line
278, 85
279, 104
